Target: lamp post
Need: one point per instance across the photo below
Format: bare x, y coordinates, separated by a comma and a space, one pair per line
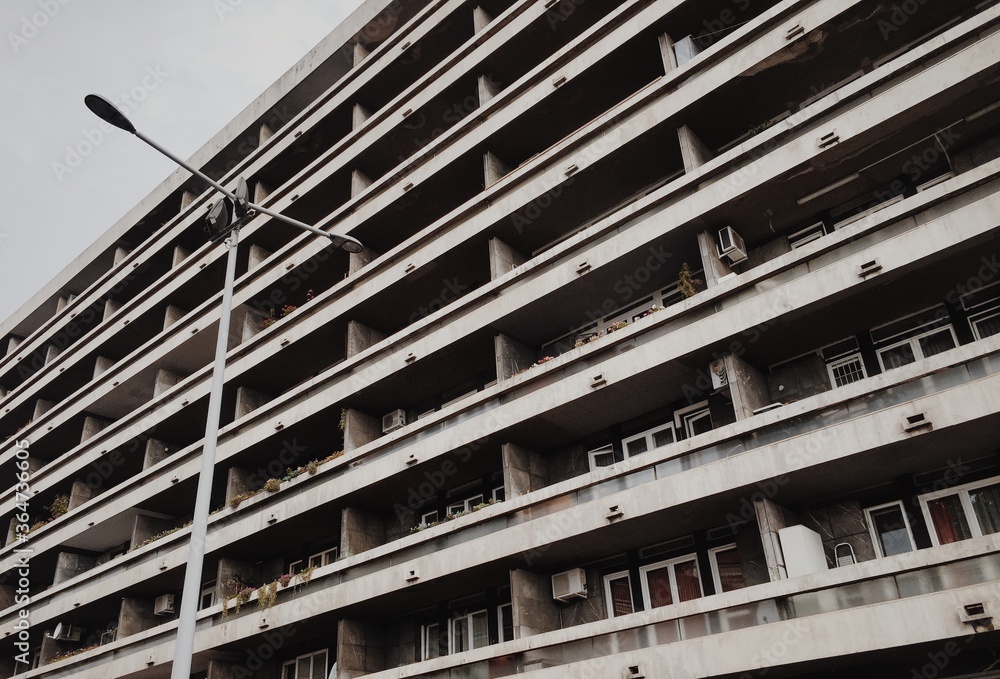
225, 218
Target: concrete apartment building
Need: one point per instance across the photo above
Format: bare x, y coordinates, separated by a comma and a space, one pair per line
674, 352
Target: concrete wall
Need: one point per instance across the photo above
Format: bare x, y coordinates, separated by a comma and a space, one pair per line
80, 492
248, 400
137, 616
523, 470
770, 519
747, 387
581, 611
359, 260
155, 452
172, 315
511, 356
239, 481
145, 527
70, 565
164, 381
714, 267
360, 531
360, 648
798, 379
360, 337
839, 524
534, 609
503, 258
361, 428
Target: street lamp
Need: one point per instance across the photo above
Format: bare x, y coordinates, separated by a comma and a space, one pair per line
224, 219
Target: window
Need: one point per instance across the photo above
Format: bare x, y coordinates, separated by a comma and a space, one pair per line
310, 666
618, 594
323, 558
984, 310
671, 582
208, 591
430, 641
469, 631
867, 213
428, 518
694, 420
890, 529
846, 370
602, 457
505, 622
910, 339
295, 566
648, 440
465, 505
727, 571
963, 512
499, 494
806, 235
985, 324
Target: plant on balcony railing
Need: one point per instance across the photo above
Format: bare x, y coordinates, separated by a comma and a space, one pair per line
687, 284
76, 651
274, 485
275, 317
59, 506
451, 517
267, 594
158, 536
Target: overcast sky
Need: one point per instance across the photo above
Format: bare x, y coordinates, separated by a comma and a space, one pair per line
187, 67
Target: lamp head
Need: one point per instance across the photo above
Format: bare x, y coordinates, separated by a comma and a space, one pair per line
108, 112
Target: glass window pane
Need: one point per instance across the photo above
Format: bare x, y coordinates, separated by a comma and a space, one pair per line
480, 629
986, 505
949, 519
303, 668
658, 583
288, 671
460, 634
688, 582
319, 666
506, 622
621, 596
727, 562
636, 446
987, 327
432, 648
698, 423
663, 437
890, 527
897, 356
848, 370
936, 343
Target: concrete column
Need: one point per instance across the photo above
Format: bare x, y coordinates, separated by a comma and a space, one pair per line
258, 255
260, 192
511, 356
50, 354
110, 307
41, 407
493, 169
359, 260
667, 53
63, 301
359, 182
360, 337
360, 648
91, 426
70, 565
480, 19
230, 570
264, 134
155, 452
359, 115
534, 609
714, 267
747, 385
238, 481
120, 254
360, 531
172, 315
248, 400
12, 344
770, 519
360, 52
487, 89
145, 527
693, 150
251, 324
503, 258
523, 470
186, 199
360, 428
223, 669
164, 381
136, 616
180, 254
51, 648
6, 596
79, 493
102, 365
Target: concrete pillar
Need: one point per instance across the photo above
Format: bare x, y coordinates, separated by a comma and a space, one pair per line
770, 519
102, 365
511, 356
41, 407
155, 452
360, 648
79, 493
223, 669
12, 344
480, 19
264, 134
63, 301
91, 426
110, 307
360, 428
487, 89
359, 182
359, 115
164, 381
70, 565
493, 169
360, 531
248, 400
667, 53
503, 258
51, 648
747, 385
121, 254
231, 570
360, 337
360, 52
50, 354
238, 481
359, 260
145, 527
251, 324
714, 267
258, 255
136, 616
523, 470
693, 150
180, 254
186, 199
534, 610
172, 315
6, 596
260, 192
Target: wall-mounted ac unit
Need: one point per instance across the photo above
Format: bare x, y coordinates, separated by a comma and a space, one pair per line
66, 632
731, 246
393, 421
164, 605
720, 378
571, 584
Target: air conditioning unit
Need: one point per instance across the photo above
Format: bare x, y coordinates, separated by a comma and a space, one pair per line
731, 246
66, 632
571, 584
164, 605
720, 378
393, 421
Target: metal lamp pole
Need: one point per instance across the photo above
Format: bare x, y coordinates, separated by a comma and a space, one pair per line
225, 219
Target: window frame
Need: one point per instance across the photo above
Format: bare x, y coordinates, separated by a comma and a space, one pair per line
325, 558
500, 609
986, 315
876, 542
914, 343
716, 575
672, 578
685, 416
609, 600
608, 449
649, 437
294, 664
803, 237
471, 637
837, 362
424, 645
963, 497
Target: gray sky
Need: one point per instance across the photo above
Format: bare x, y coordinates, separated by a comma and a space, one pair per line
191, 65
